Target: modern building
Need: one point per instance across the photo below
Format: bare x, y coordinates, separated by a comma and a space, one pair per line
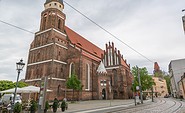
181, 85
57, 51
176, 70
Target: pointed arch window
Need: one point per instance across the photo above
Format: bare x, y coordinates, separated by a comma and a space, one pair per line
59, 22
71, 69
44, 21
58, 90
115, 76
87, 74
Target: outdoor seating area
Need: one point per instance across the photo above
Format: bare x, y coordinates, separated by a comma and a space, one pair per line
26, 105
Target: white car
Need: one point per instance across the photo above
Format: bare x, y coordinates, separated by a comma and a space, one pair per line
1, 102
8, 99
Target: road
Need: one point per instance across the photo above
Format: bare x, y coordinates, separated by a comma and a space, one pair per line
161, 105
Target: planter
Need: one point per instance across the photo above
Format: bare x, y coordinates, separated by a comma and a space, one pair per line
63, 109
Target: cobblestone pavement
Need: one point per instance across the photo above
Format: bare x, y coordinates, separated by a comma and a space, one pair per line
160, 105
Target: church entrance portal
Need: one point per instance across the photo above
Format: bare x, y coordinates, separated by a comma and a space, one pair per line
103, 94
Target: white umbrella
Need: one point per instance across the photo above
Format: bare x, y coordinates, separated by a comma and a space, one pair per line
28, 89
32, 89
11, 90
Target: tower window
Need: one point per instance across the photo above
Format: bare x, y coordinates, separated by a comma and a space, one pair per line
55, 3
49, 4
59, 21
60, 6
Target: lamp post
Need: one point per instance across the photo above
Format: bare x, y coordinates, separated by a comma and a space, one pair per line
20, 66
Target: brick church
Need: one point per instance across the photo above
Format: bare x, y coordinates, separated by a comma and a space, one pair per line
57, 51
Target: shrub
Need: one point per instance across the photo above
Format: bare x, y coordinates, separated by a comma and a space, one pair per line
55, 105
63, 105
17, 108
34, 106
46, 106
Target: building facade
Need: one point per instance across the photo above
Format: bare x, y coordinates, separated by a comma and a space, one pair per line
57, 51
176, 70
160, 87
181, 85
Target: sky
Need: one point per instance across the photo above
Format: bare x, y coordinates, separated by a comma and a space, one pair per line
152, 27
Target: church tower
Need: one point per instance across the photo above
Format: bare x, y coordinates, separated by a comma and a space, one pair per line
52, 16
47, 54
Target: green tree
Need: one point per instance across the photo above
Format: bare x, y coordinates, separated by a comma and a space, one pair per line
5, 84
21, 84
167, 78
146, 80
74, 83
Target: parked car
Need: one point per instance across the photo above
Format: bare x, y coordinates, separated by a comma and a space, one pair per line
166, 96
8, 99
1, 102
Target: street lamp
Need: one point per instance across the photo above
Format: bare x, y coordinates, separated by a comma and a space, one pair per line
20, 66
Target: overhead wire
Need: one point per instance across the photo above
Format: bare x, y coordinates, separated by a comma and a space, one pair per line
17, 27
101, 27
107, 31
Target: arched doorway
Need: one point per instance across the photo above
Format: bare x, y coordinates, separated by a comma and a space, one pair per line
103, 94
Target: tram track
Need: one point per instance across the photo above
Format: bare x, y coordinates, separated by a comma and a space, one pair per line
148, 106
161, 106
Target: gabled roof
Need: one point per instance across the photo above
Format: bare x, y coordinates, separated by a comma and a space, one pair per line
82, 43
124, 63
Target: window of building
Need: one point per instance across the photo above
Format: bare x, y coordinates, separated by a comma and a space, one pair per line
105, 83
58, 90
115, 76
87, 74
55, 3
44, 22
101, 82
71, 69
38, 56
59, 22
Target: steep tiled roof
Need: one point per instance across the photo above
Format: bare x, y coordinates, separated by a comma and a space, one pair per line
124, 63
81, 42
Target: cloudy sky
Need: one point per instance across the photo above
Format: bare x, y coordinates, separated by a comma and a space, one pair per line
152, 27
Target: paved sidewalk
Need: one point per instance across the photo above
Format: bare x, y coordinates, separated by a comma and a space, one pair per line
94, 104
